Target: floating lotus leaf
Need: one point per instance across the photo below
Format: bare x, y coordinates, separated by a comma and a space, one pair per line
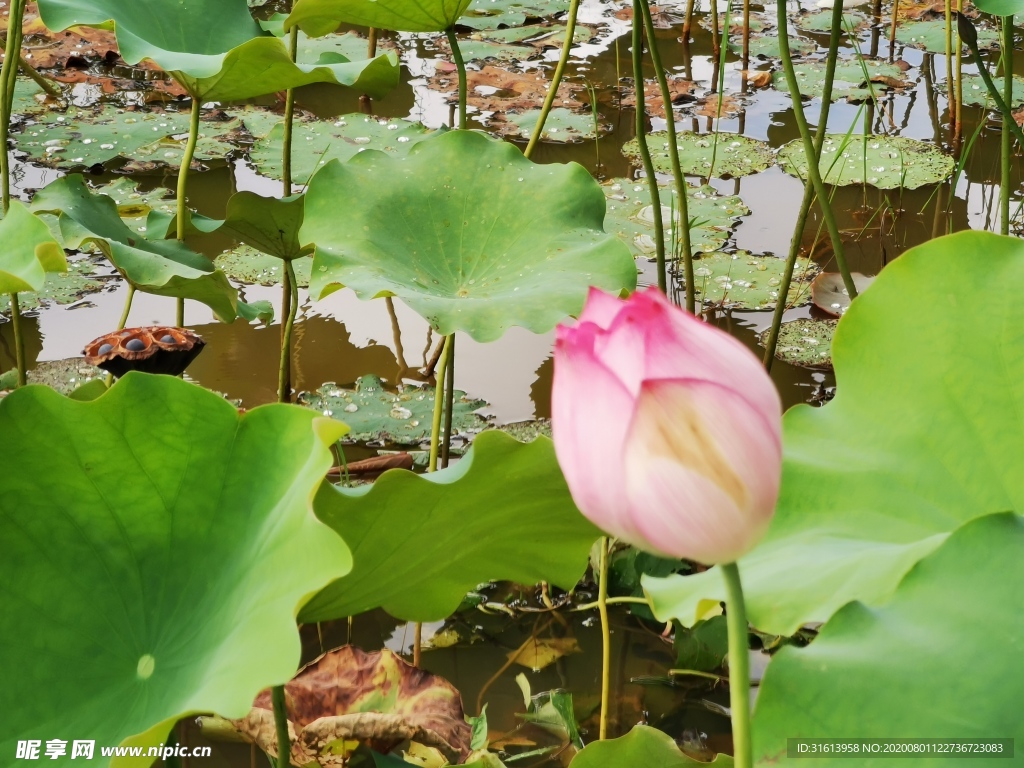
65, 376
930, 35
493, 14
376, 698
767, 46
467, 232
561, 126
29, 99
161, 575
134, 205
719, 155
829, 294
630, 216
503, 512
905, 453
821, 21
86, 137
976, 94
642, 746
214, 48
160, 267
29, 251
317, 142
759, 22
77, 282
886, 162
849, 79
249, 266
962, 601
804, 342
519, 43
308, 50
373, 413
744, 281
320, 17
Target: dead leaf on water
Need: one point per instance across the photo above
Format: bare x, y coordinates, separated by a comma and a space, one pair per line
543, 652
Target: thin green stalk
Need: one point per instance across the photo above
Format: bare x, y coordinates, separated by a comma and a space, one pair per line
289, 116
51, 88
8, 75
606, 639
435, 430
718, 78
284, 742
970, 36
641, 138
683, 228
1006, 143
19, 341
812, 158
186, 164
371, 43
127, 308
449, 405
556, 79
808, 197
949, 58
739, 666
284, 380
460, 65
624, 600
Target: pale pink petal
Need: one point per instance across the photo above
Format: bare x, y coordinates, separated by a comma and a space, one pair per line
601, 308
623, 348
591, 412
703, 466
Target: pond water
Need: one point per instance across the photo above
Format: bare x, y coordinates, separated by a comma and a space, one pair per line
341, 338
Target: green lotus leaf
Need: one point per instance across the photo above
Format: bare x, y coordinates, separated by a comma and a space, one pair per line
503, 512
849, 82
160, 267
467, 232
404, 418
962, 601
252, 267
767, 46
904, 454
562, 125
1001, 7
317, 142
977, 95
161, 575
29, 251
65, 376
821, 21
930, 35
87, 137
631, 216
134, 204
78, 281
494, 14
214, 48
642, 747
268, 224
804, 342
744, 281
519, 43
720, 154
886, 162
29, 99
320, 17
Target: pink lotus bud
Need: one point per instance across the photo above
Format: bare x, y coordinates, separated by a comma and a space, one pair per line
668, 430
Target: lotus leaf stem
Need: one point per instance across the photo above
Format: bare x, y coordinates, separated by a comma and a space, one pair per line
813, 171
805, 204
8, 78
1006, 140
698, 673
625, 600
289, 117
606, 636
739, 666
417, 644
449, 405
435, 430
186, 164
460, 66
371, 43
127, 308
556, 78
284, 744
972, 42
683, 228
284, 381
641, 138
949, 59
19, 341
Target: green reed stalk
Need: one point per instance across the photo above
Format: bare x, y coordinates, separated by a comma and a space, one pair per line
435, 430
606, 640
683, 229
949, 59
284, 378
127, 308
641, 138
1006, 139
289, 289
19, 340
8, 78
812, 157
970, 36
805, 204
460, 65
186, 164
449, 405
739, 666
284, 742
556, 78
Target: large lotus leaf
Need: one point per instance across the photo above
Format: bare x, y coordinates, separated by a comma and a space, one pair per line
373, 697
930, 35
87, 137
29, 99
562, 125
134, 205
160, 267
767, 45
503, 512
821, 21
318, 142
961, 602
493, 14
977, 95
59, 287
519, 43
373, 413
849, 81
157, 545
214, 47
319, 17
804, 342
886, 162
631, 216
28, 252
905, 453
268, 224
642, 747
744, 281
1001, 7
720, 154
249, 266
466, 231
